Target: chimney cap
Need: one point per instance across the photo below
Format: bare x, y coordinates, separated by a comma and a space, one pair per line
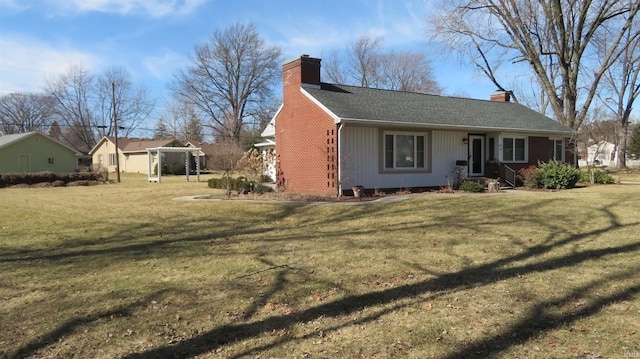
501, 96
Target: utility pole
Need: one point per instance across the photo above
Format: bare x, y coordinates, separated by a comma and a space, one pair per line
115, 126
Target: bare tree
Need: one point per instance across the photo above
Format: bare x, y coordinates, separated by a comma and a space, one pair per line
333, 68
181, 121
621, 87
367, 65
132, 105
72, 92
596, 132
364, 60
554, 38
408, 71
229, 78
252, 133
225, 159
23, 112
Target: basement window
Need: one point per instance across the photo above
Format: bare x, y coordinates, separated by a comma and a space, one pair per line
405, 151
50, 160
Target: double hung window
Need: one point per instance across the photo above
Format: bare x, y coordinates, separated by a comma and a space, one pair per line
514, 149
557, 150
405, 151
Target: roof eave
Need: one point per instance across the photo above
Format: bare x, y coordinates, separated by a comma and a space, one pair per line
336, 118
382, 123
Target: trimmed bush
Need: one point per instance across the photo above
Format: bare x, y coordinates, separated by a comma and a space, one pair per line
603, 177
165, 169
531, 177
15, 179
599, 177
178, 169
265, 179
471, 186
235, 184
260, 189
556, 175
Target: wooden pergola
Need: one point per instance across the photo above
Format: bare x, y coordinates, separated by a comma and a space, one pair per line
157, 151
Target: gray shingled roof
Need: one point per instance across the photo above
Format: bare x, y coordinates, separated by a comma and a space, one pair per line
9, 139
6, 140
352, 103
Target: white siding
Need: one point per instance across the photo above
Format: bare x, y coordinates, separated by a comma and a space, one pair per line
360, 159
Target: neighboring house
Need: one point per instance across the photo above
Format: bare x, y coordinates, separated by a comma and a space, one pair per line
330, 138
208, 153
36, 152
268, 145
601, 154
132, 153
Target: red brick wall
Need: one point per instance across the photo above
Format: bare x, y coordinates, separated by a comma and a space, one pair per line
306, 138
539, 150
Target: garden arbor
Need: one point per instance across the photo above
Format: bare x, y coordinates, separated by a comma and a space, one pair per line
155, 155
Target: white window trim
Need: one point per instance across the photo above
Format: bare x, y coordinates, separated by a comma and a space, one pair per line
112, 156
501, 148
426, 153
555, 155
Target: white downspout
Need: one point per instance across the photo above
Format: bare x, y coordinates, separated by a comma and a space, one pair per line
340, 126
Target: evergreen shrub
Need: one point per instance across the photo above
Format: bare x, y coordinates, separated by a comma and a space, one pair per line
471, 186
556, 175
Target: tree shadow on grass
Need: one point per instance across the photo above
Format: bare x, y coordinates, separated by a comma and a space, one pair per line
72, 325
538, 321
541, 318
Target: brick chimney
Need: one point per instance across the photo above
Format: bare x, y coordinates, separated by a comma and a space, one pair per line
501, 96
302, 70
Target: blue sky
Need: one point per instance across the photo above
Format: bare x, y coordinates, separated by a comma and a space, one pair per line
152, 39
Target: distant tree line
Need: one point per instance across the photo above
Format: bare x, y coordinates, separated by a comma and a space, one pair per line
578, 61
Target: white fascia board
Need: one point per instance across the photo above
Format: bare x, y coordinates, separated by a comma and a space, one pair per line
382, 123
266, 143
97, 145
174, 149
270, 130
335, 117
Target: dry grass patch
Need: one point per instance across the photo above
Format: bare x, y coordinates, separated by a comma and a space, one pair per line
124, 271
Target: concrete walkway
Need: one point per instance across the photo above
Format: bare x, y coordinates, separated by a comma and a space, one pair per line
386, 199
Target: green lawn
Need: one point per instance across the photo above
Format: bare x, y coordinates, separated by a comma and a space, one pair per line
122, 270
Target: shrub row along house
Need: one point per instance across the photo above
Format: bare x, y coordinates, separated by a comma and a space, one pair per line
330, 138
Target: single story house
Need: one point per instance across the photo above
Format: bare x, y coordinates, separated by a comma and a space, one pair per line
132, 153
330, 138
208, 153
36, 152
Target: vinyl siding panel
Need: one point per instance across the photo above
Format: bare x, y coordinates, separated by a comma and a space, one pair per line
34, 153
361, 159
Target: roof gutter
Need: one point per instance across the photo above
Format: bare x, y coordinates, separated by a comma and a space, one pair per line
378, 123
340, 127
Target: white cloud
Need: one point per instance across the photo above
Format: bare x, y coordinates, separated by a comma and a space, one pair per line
152, 8
26, 64
14, 5
164, 66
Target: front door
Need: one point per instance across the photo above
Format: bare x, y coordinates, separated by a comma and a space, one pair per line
476, 155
